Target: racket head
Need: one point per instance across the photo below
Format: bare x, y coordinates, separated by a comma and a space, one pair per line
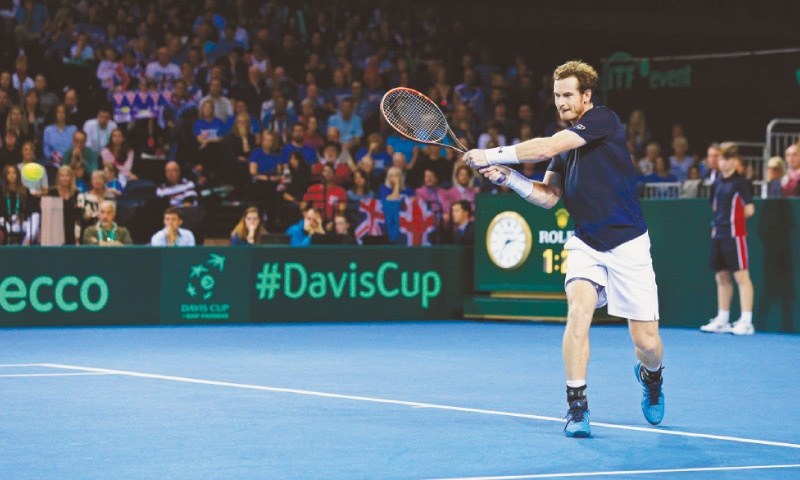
418, 118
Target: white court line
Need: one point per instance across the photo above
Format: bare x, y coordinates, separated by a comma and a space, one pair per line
626, 472
14, 365
21, 375
416, 404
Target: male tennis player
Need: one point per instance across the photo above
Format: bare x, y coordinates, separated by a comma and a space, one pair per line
609, 256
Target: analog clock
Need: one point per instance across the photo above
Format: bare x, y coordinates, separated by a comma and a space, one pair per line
508, 240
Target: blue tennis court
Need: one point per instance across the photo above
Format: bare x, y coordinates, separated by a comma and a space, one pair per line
440, 400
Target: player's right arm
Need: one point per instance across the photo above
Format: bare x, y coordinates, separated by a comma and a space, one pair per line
534, 150
543, 194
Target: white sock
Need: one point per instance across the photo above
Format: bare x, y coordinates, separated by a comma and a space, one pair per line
576, 383
746, 317
723, 315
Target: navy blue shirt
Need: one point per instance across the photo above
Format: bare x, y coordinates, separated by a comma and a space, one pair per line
728, 198
599, 182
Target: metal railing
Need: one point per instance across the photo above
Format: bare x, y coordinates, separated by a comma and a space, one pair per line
682, 190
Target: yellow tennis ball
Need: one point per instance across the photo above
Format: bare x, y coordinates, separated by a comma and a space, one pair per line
32, 172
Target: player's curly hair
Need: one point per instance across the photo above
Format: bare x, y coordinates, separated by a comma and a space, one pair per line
585, 73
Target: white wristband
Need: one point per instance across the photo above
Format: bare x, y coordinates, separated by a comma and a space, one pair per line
502, 155
517, 182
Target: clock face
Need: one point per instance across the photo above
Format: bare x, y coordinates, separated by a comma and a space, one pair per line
508, 240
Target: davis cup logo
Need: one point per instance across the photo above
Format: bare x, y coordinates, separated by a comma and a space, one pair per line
202, 277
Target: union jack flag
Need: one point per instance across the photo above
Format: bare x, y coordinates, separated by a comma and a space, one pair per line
373, 219
417, 222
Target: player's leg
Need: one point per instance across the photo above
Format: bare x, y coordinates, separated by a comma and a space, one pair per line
633, 294
647, 343
582, 296
585, 286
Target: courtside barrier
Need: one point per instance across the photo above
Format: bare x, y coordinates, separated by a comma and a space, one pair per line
143, 285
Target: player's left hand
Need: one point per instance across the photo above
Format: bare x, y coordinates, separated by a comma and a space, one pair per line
497, 174
476, 159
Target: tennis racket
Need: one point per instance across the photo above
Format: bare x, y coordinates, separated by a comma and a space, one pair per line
418, 118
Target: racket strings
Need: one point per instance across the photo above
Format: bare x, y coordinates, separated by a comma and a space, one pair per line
414, 116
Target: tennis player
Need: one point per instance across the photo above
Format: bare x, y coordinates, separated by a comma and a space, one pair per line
609, 257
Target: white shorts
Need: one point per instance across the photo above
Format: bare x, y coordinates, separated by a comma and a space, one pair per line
624, 276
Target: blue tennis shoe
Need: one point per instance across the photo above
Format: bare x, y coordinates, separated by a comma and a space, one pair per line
577, 420
652, 397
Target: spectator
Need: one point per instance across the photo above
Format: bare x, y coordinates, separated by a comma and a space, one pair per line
177, 190
331, 155
340, 227
253, 91
66, 189
791, 181
80, 153
249, 230
361, 190
313, 138
75, 116
434, 195
493, 135
81, 53
661, 174
112, 180
394, 187
638, 134
294, 185
47, 99
381, 159
223, 107
17, 122
311, 224
264, 161
348, 123
680, 160
208, 130
111, 72
79, 170
279, 119
775, 170
20, 80
35, 188
106, 233
690, 185
10, 152
430, 158
32, 18
5, 105
464, 188
172, 235
646, 164
98, 130
327, 195
120, 154
461, 224
17, 210
469, 93
58, 137
239, 144
89, 201
33, 115
162, 71
297, 142
710, 163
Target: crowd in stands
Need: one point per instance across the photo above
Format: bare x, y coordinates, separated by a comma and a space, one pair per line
146, 115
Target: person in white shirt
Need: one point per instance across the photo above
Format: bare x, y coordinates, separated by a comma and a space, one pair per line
172, 235
162, 71
98, 130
